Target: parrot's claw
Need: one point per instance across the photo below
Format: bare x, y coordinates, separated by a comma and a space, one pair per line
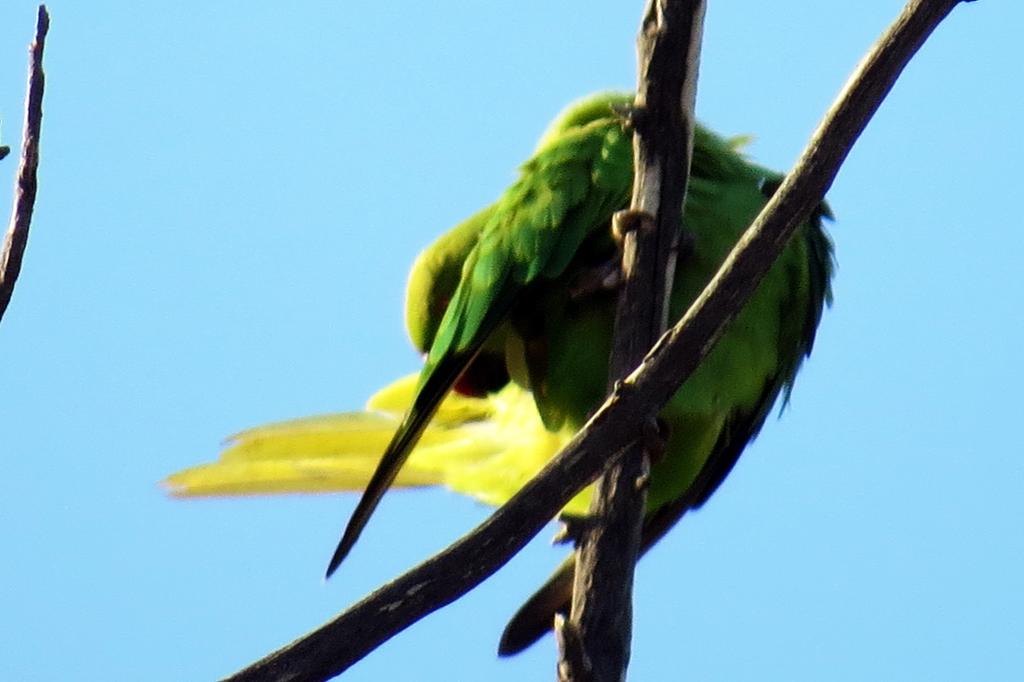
628, 113
596, 280
572, 530
630, 220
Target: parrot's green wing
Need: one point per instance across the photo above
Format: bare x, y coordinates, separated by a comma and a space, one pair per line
795, 293
569, 189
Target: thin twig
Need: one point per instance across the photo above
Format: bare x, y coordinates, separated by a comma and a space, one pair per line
668, 55
338, 644
25, 186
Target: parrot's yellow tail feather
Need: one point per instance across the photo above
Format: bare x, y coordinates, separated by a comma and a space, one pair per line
291, 475
486, 448
339, 452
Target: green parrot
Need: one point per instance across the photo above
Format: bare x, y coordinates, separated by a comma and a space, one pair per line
544, 234
514, 310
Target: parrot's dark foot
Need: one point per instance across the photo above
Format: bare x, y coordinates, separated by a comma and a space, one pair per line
655, 439
597, 279
629, 220
572, 530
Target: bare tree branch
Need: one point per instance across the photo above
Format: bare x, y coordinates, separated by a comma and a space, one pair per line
668, 55
25, 186
338, 644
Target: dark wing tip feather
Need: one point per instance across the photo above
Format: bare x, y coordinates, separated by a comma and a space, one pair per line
536, 617
394, 456
439, 379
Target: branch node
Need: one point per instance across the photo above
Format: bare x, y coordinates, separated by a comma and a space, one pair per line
573, 663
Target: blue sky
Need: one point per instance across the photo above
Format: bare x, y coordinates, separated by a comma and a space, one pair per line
230, 198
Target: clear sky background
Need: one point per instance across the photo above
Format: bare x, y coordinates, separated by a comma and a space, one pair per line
231, 195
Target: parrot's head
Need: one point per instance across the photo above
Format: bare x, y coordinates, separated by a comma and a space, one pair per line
587, 110
438, 269
434, 277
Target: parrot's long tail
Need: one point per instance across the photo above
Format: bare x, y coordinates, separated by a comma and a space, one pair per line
339, 452
536, 616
